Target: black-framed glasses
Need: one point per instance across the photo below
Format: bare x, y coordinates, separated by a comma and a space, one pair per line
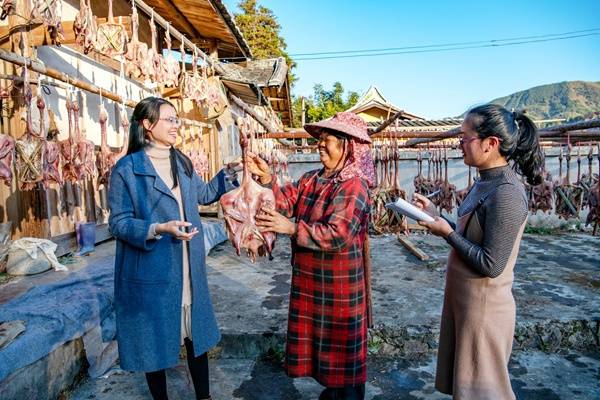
172, 120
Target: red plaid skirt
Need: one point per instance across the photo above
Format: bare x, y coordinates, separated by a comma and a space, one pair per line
327, 325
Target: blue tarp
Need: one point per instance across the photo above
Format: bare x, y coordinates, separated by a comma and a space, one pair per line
61, 311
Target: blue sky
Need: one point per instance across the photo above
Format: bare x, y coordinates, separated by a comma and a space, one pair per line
441, 84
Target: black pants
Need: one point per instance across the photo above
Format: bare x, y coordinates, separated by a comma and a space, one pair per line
157, 380
346, 393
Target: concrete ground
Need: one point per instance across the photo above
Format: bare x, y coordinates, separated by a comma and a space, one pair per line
556, 353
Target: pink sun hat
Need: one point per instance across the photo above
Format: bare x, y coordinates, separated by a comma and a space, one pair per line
346, 123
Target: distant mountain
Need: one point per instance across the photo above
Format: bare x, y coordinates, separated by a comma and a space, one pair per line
570, 100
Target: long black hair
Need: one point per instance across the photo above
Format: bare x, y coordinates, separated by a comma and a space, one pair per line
519, 141
149, 108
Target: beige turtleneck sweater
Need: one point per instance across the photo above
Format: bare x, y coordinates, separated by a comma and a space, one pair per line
159, 156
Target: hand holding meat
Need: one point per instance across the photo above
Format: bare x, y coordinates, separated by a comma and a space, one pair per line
269, 220
259, 167
177, 230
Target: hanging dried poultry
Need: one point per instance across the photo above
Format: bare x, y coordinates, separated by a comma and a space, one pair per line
7, 7
125, 131
170, 65
241, 205
382, 219
52, 172
7, 150
199, 157
85, 147
154, 60
111, 37
84, 27
50, 13
447, 189
541, 196
593, 201
105, 159
460, 195
29, 161
568, 197
587, 180
137, 52
68, 149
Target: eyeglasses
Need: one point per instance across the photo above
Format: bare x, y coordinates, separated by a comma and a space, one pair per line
172, 120
464, 140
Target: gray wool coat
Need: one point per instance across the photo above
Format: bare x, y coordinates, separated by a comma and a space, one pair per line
149, 273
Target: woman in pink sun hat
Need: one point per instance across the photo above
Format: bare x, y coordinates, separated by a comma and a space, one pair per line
329, 302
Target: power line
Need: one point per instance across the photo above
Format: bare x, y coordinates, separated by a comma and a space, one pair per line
548, 35
432, 48
444, 49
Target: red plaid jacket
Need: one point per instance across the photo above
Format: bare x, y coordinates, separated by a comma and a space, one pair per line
327, 324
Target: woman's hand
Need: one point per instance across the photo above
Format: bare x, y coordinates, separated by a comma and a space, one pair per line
425, 204
177, 230
259, 167
272, 221
439, 227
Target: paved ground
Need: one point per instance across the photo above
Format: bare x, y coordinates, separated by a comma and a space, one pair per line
534, 376
556, 356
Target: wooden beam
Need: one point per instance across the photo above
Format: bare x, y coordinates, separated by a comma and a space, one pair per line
410, 246
249, 110
39, 36
40, 68
386, 123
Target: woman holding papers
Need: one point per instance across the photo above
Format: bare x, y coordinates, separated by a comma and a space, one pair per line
328, 314
478, 316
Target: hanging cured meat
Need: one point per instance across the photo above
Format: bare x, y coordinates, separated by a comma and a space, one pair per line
125, 130
593, 201
171, 67
460, 195
154, 61
7, 7
68, 150
105, 159
7, 150
241, 206
29, 160
84, 27
568, 197
137, 52
200, 160
446, 189
52, 173
111, 36
85, 147
50, 13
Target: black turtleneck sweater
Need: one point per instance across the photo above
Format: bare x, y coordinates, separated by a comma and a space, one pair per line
501, 215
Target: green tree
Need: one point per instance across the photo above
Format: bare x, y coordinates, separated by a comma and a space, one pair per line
262, 32
323, 103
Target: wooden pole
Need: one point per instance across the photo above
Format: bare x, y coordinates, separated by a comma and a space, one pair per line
240, 103
386, 123
40, 68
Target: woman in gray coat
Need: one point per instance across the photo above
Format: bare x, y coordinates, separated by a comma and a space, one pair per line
161, 291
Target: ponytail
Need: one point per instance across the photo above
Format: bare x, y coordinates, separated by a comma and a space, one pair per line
528, 156
519, 141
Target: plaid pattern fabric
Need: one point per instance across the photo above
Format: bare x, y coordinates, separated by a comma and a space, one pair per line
327, 325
